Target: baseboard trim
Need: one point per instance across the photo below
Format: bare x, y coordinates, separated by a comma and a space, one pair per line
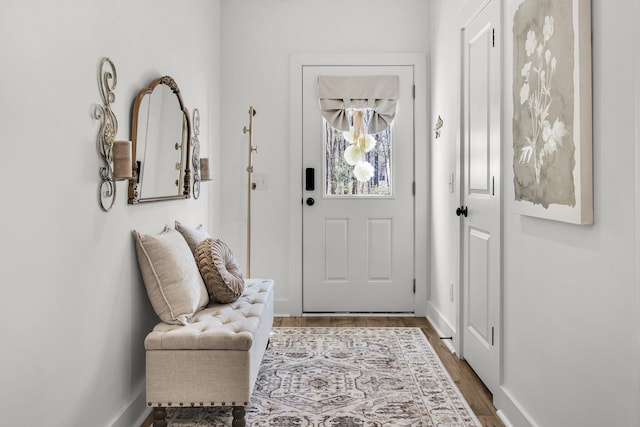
135, 413
510, 411
500, 415
441, 325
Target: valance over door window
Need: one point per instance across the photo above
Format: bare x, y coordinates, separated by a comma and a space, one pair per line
380, 93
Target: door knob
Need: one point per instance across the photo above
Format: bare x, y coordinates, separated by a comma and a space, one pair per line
462, 210
310, 201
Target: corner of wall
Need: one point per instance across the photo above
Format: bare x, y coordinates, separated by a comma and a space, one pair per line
636, 310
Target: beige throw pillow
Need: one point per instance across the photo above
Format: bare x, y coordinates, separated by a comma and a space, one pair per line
220, 271
193, 236
171, 276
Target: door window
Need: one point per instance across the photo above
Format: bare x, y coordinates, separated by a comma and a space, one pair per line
357, 163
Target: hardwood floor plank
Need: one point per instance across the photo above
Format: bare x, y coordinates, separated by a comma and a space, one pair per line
490, 421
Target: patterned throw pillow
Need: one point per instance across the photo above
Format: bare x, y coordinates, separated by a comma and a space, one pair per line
220, 270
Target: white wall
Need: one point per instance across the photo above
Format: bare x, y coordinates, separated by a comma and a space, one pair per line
635, 373
258, 39
74, 307
445, 226
569, 292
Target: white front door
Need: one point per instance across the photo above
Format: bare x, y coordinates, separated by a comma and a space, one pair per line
481, 207
357, 248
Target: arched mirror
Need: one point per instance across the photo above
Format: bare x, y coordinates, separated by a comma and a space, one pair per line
161, 142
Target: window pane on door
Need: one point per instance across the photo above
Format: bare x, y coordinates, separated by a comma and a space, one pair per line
357, 166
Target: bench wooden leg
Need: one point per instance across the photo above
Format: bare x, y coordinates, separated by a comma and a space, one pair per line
238, 416
159, 417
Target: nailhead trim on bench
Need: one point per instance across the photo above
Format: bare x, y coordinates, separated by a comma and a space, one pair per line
193, 404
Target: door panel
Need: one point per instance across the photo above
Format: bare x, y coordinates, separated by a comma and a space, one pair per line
379, 239
358, 249
479, 282
479, 84
481, 257
336, 244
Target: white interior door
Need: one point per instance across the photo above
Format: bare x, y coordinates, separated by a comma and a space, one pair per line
358, 249
481, 257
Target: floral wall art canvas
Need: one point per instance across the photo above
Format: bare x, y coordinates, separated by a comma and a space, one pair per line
552, 147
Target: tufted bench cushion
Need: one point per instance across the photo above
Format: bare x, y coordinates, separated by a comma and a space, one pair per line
231, 326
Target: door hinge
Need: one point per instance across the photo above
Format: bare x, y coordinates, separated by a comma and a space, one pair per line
493, 185
414, 286
413, 92
493, 37
493, 330
413, 188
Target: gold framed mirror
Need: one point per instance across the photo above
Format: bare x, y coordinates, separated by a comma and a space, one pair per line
161, 144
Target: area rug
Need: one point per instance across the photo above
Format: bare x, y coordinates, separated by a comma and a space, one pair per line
345, 377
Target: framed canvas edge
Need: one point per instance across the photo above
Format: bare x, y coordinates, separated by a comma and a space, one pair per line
582, 212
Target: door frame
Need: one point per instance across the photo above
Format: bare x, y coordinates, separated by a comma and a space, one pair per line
468, 14
636, 310
291, 303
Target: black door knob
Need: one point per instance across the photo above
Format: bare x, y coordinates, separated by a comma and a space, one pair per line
310, 201
462, 210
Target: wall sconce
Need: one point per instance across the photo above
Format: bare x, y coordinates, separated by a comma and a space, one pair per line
439, 124
200, 165
115, 154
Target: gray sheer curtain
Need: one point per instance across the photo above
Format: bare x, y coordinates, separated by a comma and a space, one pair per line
337, 93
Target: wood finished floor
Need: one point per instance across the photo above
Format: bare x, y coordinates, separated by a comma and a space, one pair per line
473, 390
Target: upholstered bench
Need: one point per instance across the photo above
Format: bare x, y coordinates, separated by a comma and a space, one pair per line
214, 359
